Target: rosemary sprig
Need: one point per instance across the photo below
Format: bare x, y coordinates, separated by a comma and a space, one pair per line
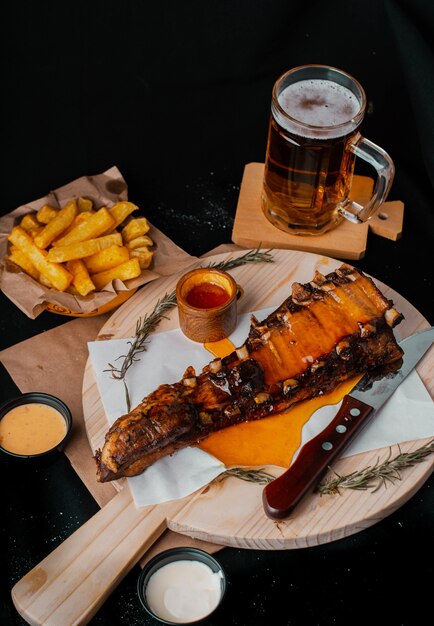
253, 256
146, 325
387, 471
377, 475
251, 475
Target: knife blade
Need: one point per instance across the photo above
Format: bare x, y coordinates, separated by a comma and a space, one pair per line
357, 408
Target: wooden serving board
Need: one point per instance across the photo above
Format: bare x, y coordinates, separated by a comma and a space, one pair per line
347, 241
73, 581
241, 520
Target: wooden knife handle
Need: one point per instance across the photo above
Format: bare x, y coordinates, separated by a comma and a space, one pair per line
72, 582
281, 496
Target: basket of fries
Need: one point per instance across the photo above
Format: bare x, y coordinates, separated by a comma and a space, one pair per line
80, 251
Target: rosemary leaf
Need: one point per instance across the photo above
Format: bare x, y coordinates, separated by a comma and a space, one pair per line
373, 477
251, 475
252, 256
127, 396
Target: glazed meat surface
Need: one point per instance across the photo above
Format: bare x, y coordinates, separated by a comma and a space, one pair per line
326, 331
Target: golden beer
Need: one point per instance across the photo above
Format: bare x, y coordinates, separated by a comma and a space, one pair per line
312, 143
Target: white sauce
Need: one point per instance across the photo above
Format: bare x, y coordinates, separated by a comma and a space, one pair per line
184, 591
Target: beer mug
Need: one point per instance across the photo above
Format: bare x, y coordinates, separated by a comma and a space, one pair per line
313, 141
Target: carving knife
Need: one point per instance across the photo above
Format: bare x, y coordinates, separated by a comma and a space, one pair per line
357, 408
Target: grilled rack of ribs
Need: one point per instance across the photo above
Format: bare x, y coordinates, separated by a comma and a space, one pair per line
326, 331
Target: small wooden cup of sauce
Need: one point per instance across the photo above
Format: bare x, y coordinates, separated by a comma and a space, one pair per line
34, 426
207, 304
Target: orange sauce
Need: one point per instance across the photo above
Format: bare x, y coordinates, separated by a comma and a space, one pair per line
220, 348
269, 441
31, 429
206, 296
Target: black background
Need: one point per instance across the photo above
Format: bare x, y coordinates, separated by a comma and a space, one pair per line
177, 95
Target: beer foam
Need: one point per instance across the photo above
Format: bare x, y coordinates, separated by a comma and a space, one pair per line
320, 103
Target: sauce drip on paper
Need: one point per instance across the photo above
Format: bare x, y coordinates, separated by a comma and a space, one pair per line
220, 348
269, 441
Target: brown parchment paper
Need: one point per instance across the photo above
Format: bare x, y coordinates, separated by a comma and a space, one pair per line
30, 369
104, 190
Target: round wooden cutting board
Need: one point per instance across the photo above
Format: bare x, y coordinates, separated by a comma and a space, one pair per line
230, 512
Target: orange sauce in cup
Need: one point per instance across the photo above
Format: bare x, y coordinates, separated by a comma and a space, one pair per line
31, 429
207, 296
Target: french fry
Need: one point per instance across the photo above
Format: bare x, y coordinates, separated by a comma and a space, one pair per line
78, 219
136, 227
125, 271
36, 231
29, 222
57, 225
81, 249
120, 211
98, 223
46, 214
44, 281
144, 256
106, 259
139, 242
84, 204
80, 277
23, 261
56, 274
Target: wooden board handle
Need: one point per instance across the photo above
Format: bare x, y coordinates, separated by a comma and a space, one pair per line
388, 220
72, 582
281, 496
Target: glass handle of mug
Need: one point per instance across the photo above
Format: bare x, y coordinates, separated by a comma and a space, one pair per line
385, 168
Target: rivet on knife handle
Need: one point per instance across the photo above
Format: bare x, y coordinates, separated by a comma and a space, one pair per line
281, 496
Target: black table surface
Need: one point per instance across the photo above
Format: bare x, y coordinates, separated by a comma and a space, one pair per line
178, 98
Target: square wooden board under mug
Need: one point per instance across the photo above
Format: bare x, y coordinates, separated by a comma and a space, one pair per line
346, 241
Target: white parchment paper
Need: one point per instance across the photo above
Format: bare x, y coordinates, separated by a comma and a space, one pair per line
408, 414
